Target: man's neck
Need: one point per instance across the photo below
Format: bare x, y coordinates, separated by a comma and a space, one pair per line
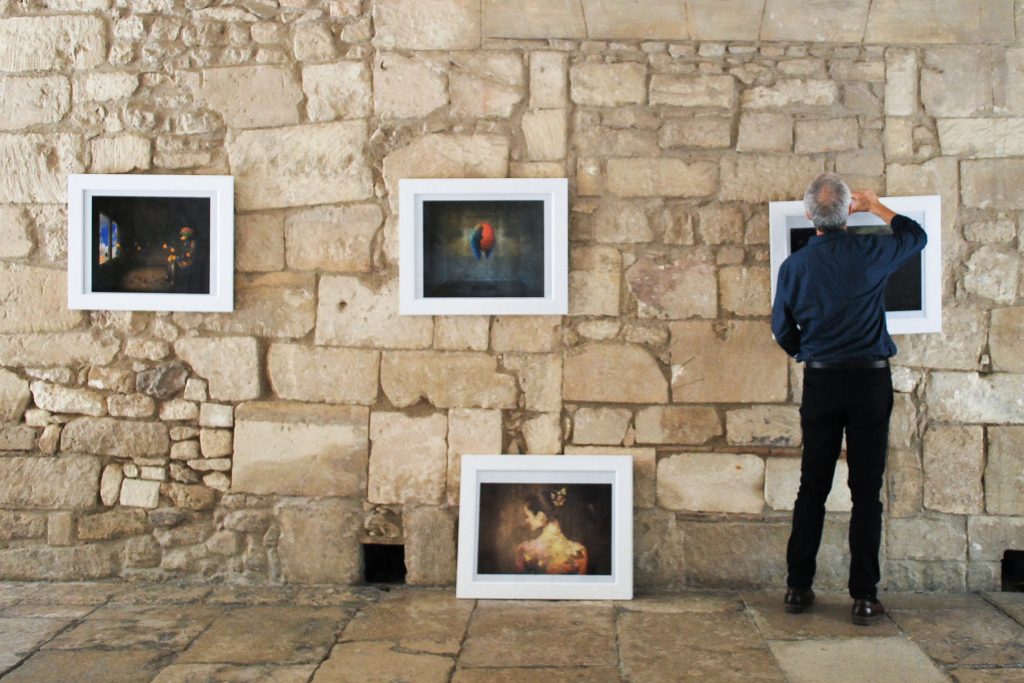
819, 233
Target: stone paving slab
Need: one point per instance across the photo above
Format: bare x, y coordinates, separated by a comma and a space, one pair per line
979, 636
917, 602
987, 675
1011, 603
167, 627
688, 602
66, 612
89, 666
312, 596
533, 675
828, 617
426, 621
367, 662
229, 673
145, 595
855, 661
20, 636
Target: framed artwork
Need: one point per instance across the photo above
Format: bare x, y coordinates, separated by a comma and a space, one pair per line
151, 242
484, 247
553, 527
913, 297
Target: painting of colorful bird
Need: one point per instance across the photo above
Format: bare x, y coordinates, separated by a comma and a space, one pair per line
483, 240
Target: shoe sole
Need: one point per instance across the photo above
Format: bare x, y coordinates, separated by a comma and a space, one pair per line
866, 621
797, 609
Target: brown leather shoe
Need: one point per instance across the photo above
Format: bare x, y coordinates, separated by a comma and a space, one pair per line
866, 612
797, 600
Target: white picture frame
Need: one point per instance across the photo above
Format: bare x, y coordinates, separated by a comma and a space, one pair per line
499, 556
785, 218
526, 270
143, 229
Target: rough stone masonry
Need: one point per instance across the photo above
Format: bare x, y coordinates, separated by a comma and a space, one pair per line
268, 444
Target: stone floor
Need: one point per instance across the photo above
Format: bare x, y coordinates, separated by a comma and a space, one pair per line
169, 633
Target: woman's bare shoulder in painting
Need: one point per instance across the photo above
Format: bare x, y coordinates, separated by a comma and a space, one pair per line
550, 552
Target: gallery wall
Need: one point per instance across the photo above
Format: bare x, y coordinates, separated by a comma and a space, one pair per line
271, 443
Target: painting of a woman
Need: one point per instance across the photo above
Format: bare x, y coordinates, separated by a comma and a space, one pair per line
550, 551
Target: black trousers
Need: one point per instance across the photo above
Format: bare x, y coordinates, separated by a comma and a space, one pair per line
858, 401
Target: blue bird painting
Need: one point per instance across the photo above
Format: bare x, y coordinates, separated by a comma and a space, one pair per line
483, 240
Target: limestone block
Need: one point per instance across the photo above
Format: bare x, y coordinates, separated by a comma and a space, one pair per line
545, 134
524, 19
318, 375
941, 537
957, 81
14, 396
993, 274
721, 20
351, 313
979, 138
993, 183
704, 132
313, 42
446, 156
196, 389
179, 410
111, 379
608, 85
595, 277
259, 242
970, 21
486, 84
462, 333
765, 132
300, 165
340, 90
130, 405
251, 96
635, 20
765, 178
163, 381
791, 93
905, 482
34, 168
16, 437
969, 398
540, 377
41, 297
69, 482
990, 537
109, 436
764, 426
319, 541
600, 425
230, 364
408, 458
210, 464
119, 154
644, 469
426, 24
789, 20
15, 232
618, 221
693, 91
268, 305
782, 481
446, 379
689, 425
408, 87
731, 362
661, 178
105, 526
470, 432
430, 545
898, 137
17, 525
146, 349
1000, 231
216, 443
745, 290
300, 449
658, 559
103, 86
110, 484
189, 497
711, 482
613, 373
958, 347
75, 563
830, 135
954, 464
549, 82
903, 423
216, 415
526, 334
332, 238
60, 399
543, 434
27, 101
1005, 341
52, 43
1004, 475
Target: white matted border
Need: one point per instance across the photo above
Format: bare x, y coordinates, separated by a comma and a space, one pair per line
616, 470
554, 192
927, 320
219, 189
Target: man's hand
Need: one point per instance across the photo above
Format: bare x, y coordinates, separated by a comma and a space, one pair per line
867, 200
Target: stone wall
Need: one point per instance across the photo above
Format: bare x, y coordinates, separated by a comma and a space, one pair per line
267, 444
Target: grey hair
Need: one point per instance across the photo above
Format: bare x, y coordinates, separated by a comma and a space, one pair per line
827, 201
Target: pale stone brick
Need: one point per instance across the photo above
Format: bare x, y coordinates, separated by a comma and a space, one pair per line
954, 463
589, 177
782, 482
103, 86
777, 426
832, 135
462, 333
15, 437
595, 277
408, 459
407, 87
179, 410
41, 296
792, 93
721, 225
685, 425
613, 373
208, 464
331, 528
332, 239
59, 399
486, 84
313, 42
990, 537
790, 20
993, 183
34, 168
15, 233
900, 82
703, 133
470, 432
119, 154
146, 349
999, 231
545, 134
426, 24
533, 19
958, 347
608, 85
140, 493
968, 398
927, 538
14, 396
1004, 476
734, 362
763, 178
903, 423
230, 364
315, 375
130, 405
1005, 341
68, 482
644, 469
969, 21
711, 20
29, 101
259, 242
993, 274
745, 290
905, 482
976, 137
340, 90
860, 163
185, 450
765, 132
600, 425
693, 91
111, 379
661, 178
430, 544
216, 443
446, 380
196, 389
540, 377
615, 20
300, 165
898, 137
957, 81
711, 482
110, 484
549, 82
623, 221
682, 289
59, 528
251, 96
599, 329
113, 524
543, 434
52, 43
122, 438
216, 415
300, 449
526, 334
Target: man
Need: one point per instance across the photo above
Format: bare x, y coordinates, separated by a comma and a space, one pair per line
829, 312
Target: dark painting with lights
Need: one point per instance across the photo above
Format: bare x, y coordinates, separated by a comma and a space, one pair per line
551, 528
483, 249
151, 244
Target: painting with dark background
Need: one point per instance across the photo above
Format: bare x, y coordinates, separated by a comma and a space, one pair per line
151, 244
585, 517
457, 265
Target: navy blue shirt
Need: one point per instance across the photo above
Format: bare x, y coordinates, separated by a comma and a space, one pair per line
830, 297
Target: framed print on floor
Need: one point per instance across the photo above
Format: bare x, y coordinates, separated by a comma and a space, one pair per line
551, 527
473, 246
151, 242
913, 297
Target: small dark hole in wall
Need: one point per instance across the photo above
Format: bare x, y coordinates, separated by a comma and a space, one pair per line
1013, 571
383, 563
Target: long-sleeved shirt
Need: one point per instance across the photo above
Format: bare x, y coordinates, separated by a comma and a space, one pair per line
830, 297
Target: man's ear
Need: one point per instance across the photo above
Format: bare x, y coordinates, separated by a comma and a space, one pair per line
808, 214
